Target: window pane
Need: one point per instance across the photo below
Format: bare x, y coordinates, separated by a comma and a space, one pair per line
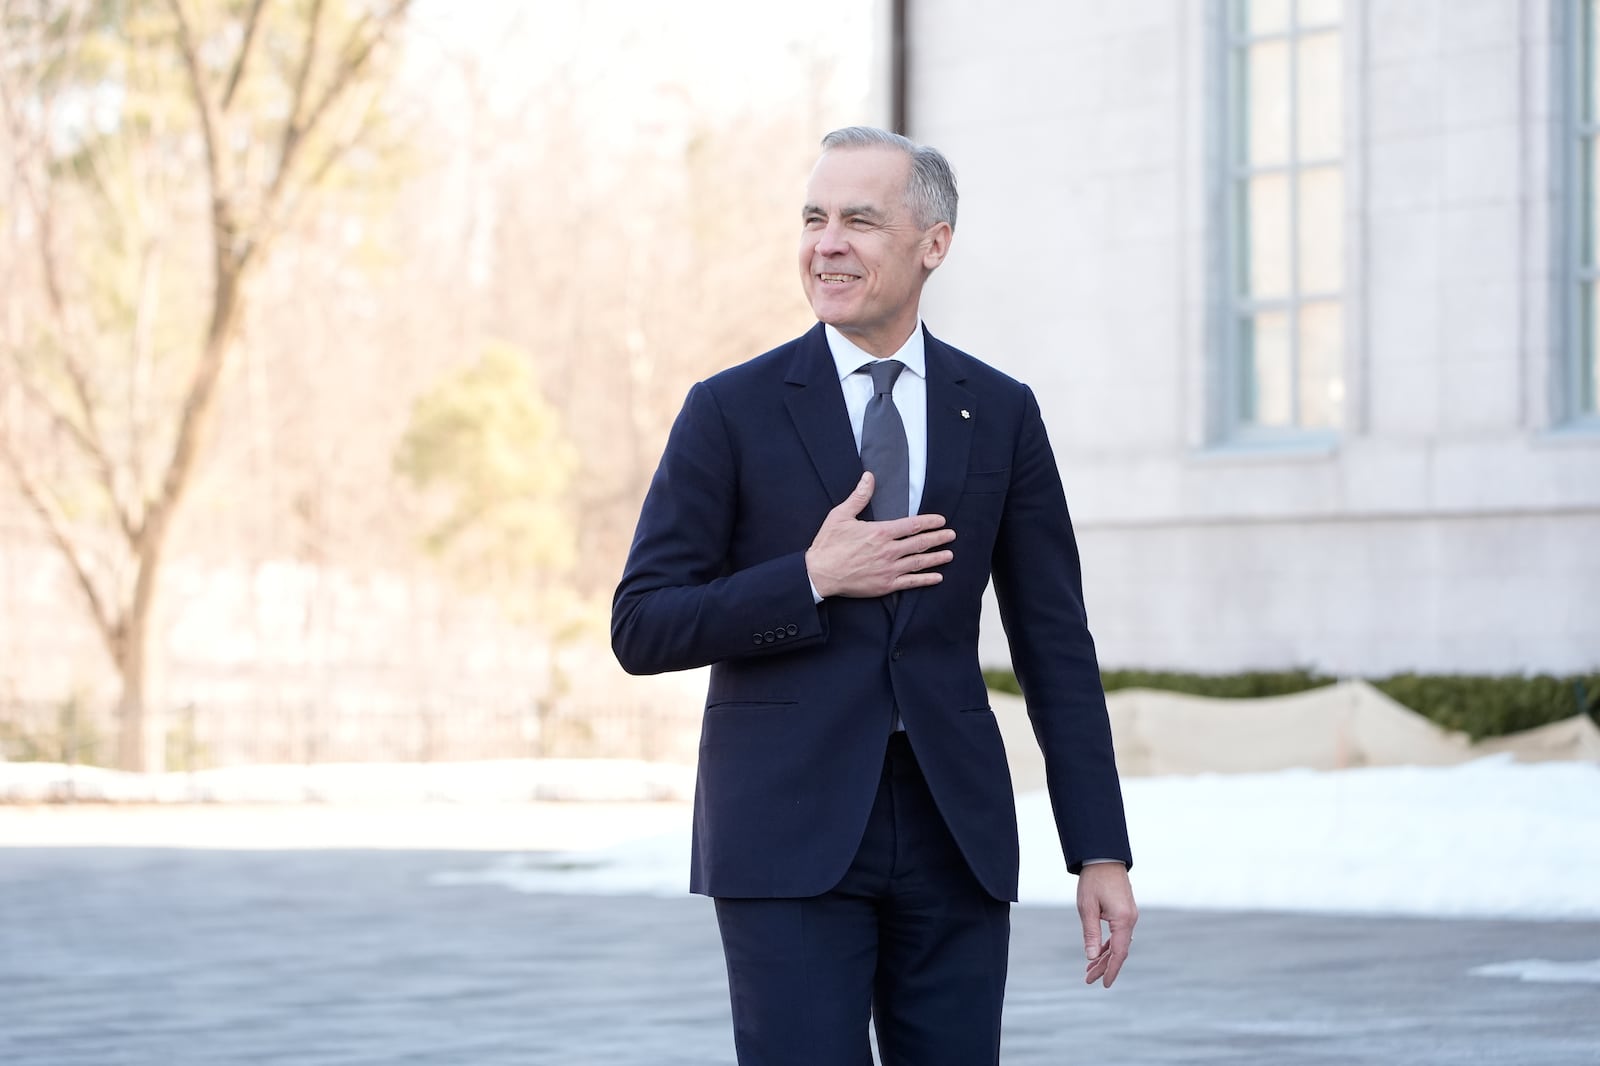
1265, 372
1320, 97
1264, 214
1589, 204
1321, 365
1264, 104
1260, 16
1319, 12
1589, 42
1589, 349
1321, 245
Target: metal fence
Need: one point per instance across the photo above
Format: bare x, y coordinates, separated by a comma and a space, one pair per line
234, 734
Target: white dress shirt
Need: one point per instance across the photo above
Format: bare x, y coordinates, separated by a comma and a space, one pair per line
910, 398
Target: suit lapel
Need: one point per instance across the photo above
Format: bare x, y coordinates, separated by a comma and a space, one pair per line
816, 404
952, 412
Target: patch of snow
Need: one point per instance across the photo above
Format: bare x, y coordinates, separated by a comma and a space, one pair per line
1543, 971
1492, 838
1489, 838
498, 781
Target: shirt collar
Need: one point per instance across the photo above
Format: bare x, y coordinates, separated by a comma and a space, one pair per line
847, 358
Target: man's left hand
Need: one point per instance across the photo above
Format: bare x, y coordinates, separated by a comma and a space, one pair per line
1104, 893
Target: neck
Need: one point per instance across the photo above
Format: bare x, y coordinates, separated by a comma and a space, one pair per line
881, 344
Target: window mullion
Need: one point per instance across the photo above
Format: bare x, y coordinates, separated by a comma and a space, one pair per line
1294, 214
1580, 257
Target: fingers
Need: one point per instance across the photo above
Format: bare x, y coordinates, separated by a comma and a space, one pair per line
1115, 957
1105, 966
1104, 895
911, 525
923, 560
924, 542
850, 557
1096, 970
1121, 916
917, 579
1105, 960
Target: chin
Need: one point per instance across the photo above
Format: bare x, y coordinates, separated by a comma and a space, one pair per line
830, 311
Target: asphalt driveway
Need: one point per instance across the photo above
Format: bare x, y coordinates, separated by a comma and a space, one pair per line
159, 957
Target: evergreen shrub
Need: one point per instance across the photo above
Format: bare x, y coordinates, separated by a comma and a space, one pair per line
1478, 705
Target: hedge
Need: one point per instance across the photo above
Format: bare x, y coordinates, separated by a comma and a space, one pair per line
1478, 705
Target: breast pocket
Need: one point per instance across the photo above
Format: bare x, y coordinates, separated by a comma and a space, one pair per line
982, 482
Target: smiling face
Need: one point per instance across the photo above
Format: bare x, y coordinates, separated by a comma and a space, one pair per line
863, 258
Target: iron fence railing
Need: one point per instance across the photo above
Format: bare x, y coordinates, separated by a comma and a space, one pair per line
241, 733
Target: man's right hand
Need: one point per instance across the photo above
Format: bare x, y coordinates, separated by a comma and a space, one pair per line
850, 557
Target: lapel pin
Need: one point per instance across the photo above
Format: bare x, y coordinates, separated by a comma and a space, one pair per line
965, 413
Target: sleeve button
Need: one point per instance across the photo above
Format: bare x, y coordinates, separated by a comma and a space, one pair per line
792, 629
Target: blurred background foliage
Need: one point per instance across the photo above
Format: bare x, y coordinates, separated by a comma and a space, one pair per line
340, 338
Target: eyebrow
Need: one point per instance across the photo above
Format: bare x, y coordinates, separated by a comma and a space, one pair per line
866, 211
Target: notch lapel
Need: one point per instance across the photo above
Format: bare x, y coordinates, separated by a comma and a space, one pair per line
816, 404
952, 412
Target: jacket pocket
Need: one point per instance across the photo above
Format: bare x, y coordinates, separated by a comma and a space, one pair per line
981, 482
752, 705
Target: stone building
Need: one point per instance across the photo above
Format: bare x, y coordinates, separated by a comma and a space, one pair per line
1307, 290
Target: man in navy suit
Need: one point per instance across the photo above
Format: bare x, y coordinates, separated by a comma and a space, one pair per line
854, 817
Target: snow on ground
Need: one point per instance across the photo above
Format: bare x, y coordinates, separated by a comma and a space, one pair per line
1491, 838
490, 781
1543, 971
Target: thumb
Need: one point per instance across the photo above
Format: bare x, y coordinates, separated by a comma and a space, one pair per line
857, 501
1091, 934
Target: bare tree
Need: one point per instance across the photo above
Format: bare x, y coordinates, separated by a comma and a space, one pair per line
159, 152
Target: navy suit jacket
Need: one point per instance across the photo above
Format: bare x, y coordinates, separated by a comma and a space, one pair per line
802, 695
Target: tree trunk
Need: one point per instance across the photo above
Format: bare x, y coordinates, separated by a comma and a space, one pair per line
141, 733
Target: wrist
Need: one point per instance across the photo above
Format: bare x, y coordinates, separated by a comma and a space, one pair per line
818, 593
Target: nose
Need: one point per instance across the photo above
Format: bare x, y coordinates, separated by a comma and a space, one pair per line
831, 240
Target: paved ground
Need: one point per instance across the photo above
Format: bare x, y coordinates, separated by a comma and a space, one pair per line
156, 957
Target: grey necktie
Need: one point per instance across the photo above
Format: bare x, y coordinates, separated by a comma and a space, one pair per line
883, 443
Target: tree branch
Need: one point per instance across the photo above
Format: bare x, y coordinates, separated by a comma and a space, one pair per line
285, 219
246, 46
86, 440
56, 528
140, 352
357, 50
197, 403
221, 220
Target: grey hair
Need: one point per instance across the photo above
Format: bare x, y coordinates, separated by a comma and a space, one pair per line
931, 188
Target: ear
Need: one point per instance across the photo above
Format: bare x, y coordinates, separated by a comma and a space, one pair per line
936, 244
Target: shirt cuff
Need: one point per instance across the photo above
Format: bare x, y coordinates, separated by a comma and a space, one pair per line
1096, 862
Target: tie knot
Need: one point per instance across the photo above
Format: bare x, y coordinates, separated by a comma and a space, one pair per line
884, 372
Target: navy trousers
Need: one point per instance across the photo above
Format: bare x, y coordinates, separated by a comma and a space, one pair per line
908, 938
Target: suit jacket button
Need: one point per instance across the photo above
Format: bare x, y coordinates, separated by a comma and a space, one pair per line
792, 629
895, 654
770, 636
758, 638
